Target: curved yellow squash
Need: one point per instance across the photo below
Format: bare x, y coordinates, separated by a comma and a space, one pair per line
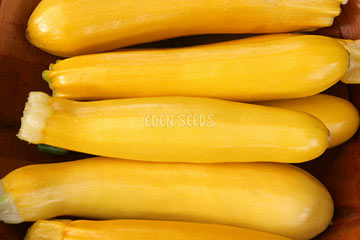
76, 27
174, 129
339, 115
254, 69
140, 230
269, 197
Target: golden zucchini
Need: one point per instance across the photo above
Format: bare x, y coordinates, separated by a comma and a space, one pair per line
269, 197
140, 230
339, 115
174, 129
255, 69
76, 27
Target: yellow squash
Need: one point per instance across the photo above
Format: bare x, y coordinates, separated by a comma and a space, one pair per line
174, 129
254, 69
140, 230
269, 197
76, 27
339, 115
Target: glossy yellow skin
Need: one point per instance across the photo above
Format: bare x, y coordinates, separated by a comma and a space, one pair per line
174, 129
254, 69
76, 27
269, 197
140, 230
339, 115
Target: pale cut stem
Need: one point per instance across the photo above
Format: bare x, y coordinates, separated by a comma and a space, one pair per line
36, 113
8, 210
352, 75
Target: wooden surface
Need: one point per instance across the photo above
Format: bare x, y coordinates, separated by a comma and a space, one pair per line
20, 72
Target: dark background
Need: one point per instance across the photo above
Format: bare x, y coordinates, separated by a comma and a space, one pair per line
20, 72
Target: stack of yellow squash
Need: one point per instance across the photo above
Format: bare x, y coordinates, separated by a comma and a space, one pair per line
177, 142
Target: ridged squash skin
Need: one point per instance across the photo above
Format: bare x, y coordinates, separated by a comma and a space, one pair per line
254, 69
340, 116
140, 230
77, 27
269, 197
174, 129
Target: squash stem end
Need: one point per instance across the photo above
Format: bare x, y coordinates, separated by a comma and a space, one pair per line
37, 111
8, 210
